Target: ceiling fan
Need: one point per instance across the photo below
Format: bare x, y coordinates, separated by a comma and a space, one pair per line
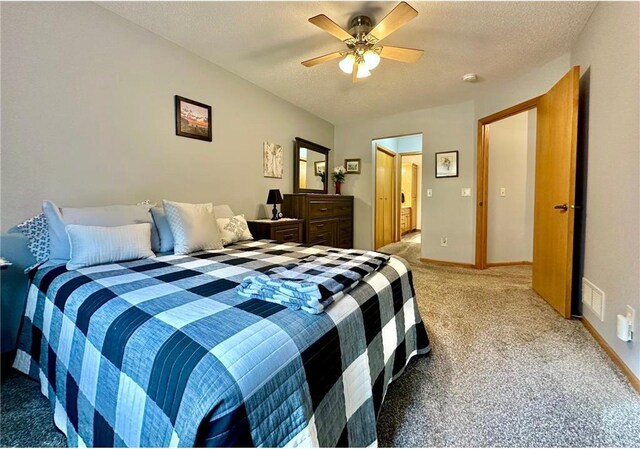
364, 51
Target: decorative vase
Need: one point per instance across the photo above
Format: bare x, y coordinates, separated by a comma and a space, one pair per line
338, 185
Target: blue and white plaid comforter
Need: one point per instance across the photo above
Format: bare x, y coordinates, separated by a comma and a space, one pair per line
164, 352
313, 283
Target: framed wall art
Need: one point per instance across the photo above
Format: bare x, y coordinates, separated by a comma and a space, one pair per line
272, 160
352, 166
193, 119
447, 164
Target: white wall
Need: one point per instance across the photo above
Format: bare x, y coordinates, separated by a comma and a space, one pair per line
512, 167
88, 118
450, 127
416, 159
608, 53
446, 213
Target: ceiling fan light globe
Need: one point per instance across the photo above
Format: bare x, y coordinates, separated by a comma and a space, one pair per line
371, 59
363, 71
346, 65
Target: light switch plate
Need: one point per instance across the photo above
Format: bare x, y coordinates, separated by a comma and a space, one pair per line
429, 193
503, 191
466, 191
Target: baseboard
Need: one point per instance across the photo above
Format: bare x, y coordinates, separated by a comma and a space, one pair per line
507, 264
635, 382
448, 264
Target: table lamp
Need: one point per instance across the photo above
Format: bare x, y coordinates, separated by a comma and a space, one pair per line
274, 198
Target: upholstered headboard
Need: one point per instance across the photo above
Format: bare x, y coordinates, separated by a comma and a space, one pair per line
13, 247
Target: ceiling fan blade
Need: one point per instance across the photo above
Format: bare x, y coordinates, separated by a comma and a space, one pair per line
328, 25
355, 72
321, 59
398, 16
401, 54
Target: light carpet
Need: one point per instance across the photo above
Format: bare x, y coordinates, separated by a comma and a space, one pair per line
505, 370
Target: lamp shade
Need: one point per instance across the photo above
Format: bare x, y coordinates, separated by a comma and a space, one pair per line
274, 197
371, 59
346, 65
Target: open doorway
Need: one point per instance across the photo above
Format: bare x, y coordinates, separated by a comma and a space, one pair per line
397, 202
507, 193
511, 189
554, 190
410, 196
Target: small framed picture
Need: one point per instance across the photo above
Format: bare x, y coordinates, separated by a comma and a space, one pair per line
447, 164
193, 119
320, 168
272, 160
352, 166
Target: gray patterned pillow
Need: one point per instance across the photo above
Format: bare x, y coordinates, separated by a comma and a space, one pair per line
233, 229
37, 231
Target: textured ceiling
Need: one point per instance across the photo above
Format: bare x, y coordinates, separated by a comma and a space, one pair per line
264, 42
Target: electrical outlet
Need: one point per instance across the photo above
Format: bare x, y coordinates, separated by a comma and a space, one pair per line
429, 193
443, 241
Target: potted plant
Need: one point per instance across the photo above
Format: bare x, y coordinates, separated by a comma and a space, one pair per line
338, 177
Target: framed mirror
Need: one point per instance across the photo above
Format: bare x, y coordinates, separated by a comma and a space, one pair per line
310, 167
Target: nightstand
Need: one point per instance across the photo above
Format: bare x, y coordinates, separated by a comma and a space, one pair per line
283, 230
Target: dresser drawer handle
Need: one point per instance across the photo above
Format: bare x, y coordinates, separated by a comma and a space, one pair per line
321, 225
288, 237
323, 209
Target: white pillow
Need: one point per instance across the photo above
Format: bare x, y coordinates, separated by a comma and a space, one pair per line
58, 218
233, 229
95, 245
223, 211
193, 226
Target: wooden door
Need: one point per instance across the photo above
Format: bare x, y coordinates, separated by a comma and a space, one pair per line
553, 223
414, 197
385, 181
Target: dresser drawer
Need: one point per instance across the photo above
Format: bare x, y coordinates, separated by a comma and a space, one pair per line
345, 233
343, 209
287, 234
321, 238
345, 242
322, 232
345, 225
319, 226
320, 209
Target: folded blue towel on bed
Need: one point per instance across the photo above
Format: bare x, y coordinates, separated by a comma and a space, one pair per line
313, 283
294, 295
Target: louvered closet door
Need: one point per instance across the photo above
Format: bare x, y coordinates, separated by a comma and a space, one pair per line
414, 196
385, 178
380, 176
388, 200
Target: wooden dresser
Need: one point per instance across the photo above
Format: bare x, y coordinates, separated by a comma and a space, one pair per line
328, 219
284, 230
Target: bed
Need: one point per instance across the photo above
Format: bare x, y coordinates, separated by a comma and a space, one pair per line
164, 352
